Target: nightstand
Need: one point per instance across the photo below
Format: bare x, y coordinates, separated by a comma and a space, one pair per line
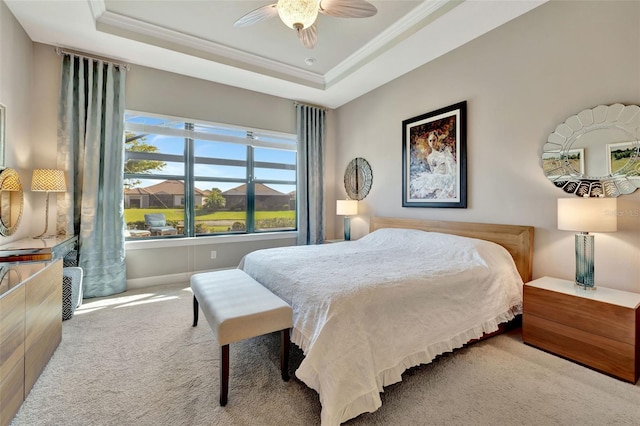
337, 240
599, 329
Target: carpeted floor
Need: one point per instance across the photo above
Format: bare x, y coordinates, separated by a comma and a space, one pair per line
134, 359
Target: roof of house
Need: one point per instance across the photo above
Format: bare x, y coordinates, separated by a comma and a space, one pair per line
176, 187
260, 189
169, 187
136, 191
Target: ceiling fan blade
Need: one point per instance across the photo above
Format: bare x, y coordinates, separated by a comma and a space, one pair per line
348, 8
257, 15
308, 36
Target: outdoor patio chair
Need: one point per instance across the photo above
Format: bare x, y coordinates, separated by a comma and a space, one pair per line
157, 224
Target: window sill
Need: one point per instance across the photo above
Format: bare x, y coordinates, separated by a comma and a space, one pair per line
214, 239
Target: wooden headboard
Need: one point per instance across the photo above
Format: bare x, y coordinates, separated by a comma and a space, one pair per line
518, 240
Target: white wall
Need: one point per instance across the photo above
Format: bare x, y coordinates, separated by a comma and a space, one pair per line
153, 91
16, 66
520, 81
161, 92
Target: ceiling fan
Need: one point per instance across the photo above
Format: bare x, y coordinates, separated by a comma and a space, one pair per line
301, 15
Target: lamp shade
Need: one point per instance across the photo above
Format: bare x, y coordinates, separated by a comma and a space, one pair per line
346, 207
587, 214
301, 13
48, 180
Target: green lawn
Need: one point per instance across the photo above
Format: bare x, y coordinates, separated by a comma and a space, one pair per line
137, 215
618, 164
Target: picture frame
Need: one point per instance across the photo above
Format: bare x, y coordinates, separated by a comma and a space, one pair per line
552, 162
434, 163
619, 154
3, 113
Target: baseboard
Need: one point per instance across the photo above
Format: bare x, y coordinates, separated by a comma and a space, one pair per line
144, 282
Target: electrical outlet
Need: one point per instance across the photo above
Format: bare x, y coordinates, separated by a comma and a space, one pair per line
214, 254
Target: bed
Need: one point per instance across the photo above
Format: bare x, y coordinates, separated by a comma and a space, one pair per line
364, 311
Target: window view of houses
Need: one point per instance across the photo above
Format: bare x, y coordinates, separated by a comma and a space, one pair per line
216, 211
191, 179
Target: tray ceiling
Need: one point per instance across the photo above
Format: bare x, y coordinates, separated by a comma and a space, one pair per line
198, 39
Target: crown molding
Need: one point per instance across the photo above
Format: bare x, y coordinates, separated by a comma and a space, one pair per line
163, 37
419, 17
97, 7
113, 23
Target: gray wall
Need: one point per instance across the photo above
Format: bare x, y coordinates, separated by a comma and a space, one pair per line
162, 92
169, 263
16, 66
520, 81
32, 83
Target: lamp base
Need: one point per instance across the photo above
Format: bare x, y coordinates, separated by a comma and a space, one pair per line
347, 228
46, 222
579, 286
584, 261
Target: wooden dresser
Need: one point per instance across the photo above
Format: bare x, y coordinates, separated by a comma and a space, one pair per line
597, 328
30, 328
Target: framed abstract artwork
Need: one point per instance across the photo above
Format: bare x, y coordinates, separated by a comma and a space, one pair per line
434, 164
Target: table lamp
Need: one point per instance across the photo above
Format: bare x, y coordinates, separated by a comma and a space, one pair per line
586, 215
47, 180
347, 208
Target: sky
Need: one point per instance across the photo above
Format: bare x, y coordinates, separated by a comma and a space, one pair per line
205, 148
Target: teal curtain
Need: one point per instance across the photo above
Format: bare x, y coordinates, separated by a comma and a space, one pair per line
310, 192
91, 150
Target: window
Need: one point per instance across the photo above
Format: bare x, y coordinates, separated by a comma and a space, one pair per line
206, 178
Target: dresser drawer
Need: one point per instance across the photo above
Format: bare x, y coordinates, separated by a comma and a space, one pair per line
581, 313
11, 331
30, 329
11, 353
11, 393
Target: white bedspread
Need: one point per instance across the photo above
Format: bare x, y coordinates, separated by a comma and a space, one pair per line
364, 311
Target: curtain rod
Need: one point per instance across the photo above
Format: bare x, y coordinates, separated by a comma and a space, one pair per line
60, 51
310, 105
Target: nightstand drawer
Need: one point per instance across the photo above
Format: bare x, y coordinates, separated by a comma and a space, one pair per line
581, 313
607, 355
599, 328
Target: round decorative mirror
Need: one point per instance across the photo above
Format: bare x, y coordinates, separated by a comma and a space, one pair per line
11, 201
596, 153
358, 178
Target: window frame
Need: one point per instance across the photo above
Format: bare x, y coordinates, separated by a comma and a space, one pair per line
251, 138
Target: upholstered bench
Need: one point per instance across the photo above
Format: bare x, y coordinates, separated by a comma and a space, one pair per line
238, 307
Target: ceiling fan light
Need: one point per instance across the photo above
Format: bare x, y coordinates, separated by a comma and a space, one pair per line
296, 13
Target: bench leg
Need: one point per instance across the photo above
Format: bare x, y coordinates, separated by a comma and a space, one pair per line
285, 340
195, 311
224, 374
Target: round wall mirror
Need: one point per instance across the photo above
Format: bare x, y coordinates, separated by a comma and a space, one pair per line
596, 153
11, 201
358, 179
